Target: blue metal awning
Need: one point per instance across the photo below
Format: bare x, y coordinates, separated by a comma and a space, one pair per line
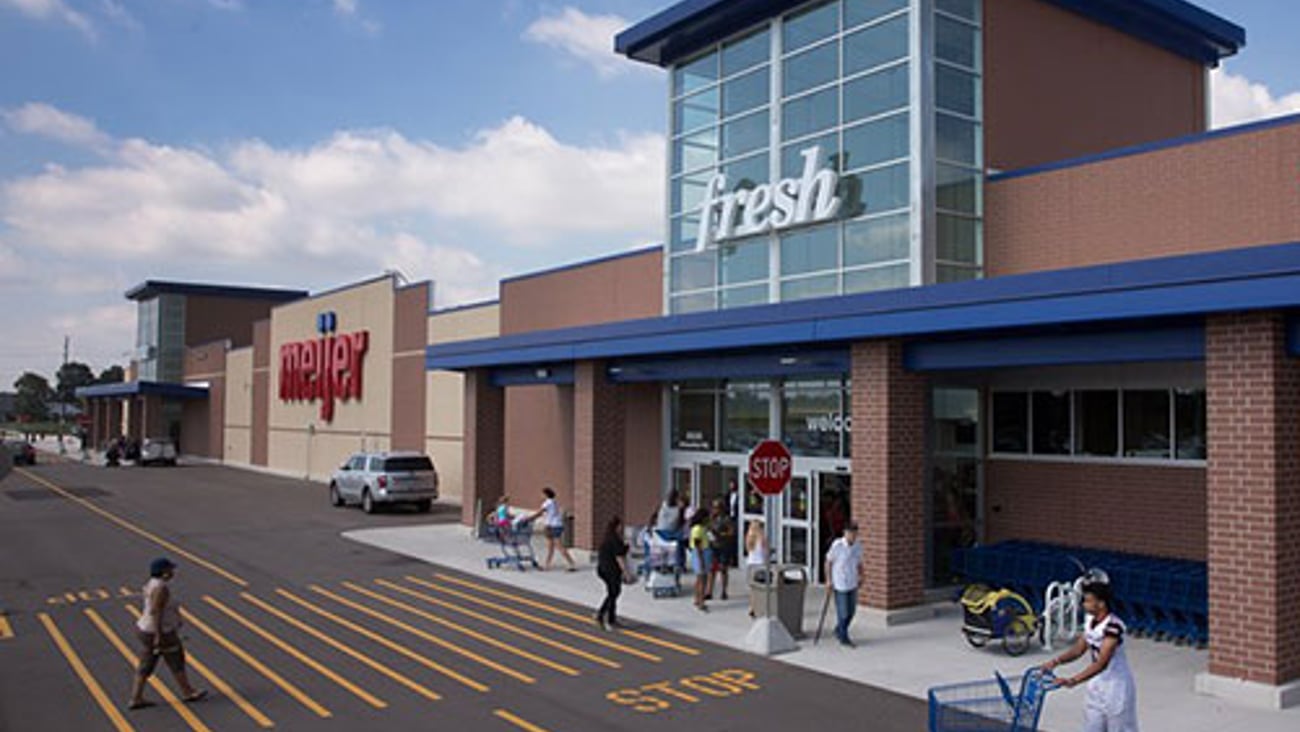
1131, 295
142, 388
691, 25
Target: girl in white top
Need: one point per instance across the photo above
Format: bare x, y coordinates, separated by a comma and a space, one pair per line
156, 630
756, 544
554, 522
1111, 705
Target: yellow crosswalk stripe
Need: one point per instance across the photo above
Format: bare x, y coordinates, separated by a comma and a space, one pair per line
6, 630
480, 637
385, 642
220, 684
174, 701
499, 624
114, 518
344, 648
517, 721
465, 652
589, 637
687, 650
79, 668
286, 686
298, 655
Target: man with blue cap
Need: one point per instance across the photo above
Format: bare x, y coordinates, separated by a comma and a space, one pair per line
158, 631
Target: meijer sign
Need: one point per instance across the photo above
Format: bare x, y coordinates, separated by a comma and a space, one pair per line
790, 202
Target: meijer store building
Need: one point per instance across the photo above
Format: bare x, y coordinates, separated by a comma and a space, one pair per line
982, 266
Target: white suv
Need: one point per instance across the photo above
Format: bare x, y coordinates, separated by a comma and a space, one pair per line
372, 478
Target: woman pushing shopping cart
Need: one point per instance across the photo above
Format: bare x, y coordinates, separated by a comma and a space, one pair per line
1111, 705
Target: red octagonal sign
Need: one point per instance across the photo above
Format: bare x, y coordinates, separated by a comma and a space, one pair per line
770, 465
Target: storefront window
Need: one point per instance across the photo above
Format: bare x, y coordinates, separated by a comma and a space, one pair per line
857, 12
873, 94
745, 262
872, 143
695, 75
955, 478
875, 45
745, 415
872, 241
743, 53
1189, 413
744, 93
814, 422
809, 26
1096, 419
1146, 424
694, 418
1051, 423
808, 114
873, 279
1011, 422
810, 69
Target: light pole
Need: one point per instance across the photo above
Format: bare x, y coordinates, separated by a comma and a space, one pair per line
63, 405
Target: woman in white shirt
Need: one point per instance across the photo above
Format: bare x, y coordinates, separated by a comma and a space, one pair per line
554, 523
157, 630
1111, 704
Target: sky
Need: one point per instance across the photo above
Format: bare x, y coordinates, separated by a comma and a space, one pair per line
311, 143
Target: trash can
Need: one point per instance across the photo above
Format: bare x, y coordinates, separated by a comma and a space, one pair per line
782, 590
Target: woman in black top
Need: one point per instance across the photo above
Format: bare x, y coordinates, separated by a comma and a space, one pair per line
611, 567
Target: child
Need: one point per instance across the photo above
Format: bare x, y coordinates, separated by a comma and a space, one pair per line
1111, 705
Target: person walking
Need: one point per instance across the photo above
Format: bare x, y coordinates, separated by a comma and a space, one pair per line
724, 547
611, 567
157, 629
554, 529
701, 558
1111, 704
843, 561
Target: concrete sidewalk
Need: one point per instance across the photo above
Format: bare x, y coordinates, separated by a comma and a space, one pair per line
908, 659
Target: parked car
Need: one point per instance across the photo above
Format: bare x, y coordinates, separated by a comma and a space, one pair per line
23, 451
377, 478
157, 452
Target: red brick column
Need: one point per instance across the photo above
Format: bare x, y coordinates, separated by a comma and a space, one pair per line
1253, 487
889, 408
598, 444
484, 470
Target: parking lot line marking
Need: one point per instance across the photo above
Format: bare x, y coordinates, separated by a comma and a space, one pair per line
155, 683
518, 722
6, 630
344, 648
79, 668
301, 657
287, 686
134, 529
385, 642
687, 650
220, 684
480, 637
543, 622
525, 678
499, 624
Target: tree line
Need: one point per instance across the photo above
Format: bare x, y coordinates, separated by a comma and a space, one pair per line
34, 394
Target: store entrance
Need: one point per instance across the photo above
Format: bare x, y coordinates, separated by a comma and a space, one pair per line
816, 508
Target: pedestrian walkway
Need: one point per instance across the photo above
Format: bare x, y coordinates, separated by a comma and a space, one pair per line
908, 659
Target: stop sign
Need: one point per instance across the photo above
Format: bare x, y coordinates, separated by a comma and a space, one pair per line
770, 465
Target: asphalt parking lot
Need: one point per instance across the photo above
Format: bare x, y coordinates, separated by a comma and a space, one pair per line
291, 626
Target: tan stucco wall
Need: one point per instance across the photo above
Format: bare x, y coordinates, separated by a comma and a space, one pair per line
445, 394
299, 442
239, 407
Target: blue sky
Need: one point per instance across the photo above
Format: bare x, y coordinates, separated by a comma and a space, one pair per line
311, 142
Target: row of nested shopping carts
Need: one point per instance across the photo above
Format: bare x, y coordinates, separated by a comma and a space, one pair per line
1160, 598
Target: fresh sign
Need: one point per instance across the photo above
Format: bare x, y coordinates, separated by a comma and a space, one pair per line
790, 202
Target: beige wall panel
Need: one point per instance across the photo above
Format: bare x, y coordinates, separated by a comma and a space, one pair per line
239, 407
363, 424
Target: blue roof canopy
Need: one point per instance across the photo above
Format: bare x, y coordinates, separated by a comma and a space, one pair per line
1188, 286
691, 25
142, 388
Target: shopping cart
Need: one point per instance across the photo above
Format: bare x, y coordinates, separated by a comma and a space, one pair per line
663, 572
992, 705
515, 538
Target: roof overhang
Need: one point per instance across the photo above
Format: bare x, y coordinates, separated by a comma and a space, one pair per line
691, 25
1124, 294
150, 289
142, 388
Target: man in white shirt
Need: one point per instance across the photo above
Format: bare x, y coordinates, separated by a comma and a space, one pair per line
843, 561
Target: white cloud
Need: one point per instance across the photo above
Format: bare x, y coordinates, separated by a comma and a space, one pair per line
72, 238
351, 10
231, 5
53, 11
588, 38
345, 7
45, 120
117, 12
1237, 100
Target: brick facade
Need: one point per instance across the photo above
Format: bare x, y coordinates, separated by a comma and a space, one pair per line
484, 445
598, 445
1059, 503
1253, 490
889, 419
